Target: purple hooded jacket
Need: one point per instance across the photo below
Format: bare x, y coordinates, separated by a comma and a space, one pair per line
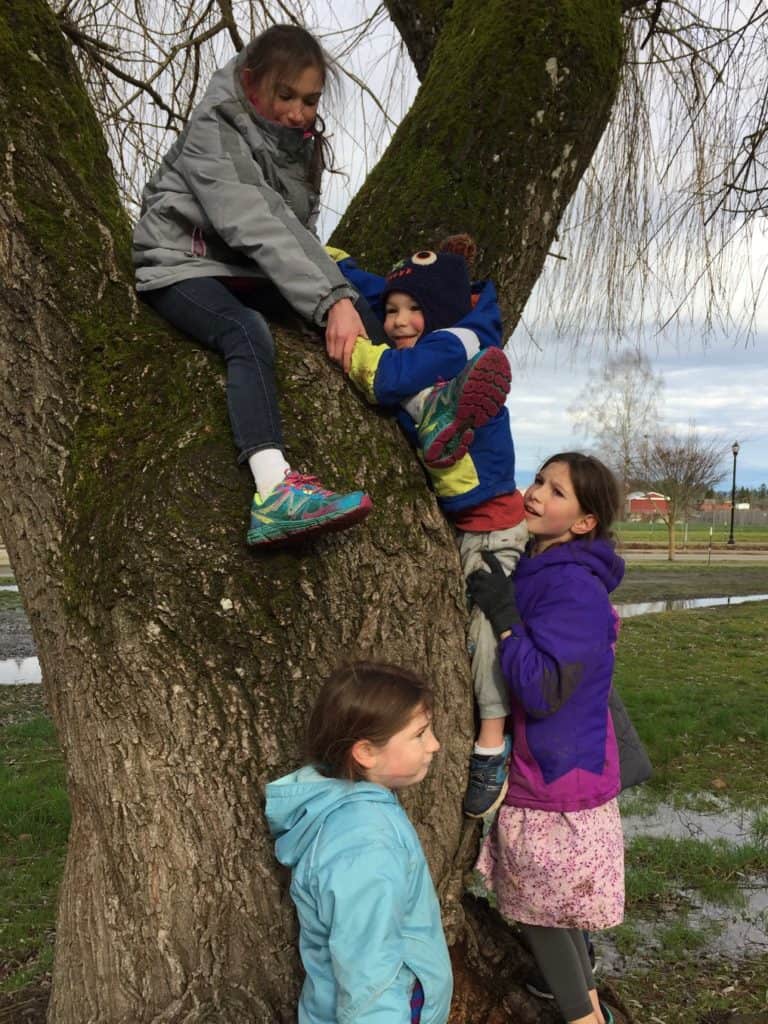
559, 666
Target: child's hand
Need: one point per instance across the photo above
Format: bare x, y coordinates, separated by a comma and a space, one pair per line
493, 593
342, 331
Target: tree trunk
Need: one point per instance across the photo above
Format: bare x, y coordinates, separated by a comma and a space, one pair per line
671, 540
179, 667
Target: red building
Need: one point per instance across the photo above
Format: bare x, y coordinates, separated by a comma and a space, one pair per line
645, 505
710, 505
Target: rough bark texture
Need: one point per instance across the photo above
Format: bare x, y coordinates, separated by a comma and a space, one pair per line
179, 666
515, 99
419, 23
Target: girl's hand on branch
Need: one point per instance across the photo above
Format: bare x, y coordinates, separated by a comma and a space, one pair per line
343, 329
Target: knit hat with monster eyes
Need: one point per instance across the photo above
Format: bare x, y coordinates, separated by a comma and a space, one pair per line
439, 282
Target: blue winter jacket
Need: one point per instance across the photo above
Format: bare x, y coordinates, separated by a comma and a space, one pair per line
368, 913
389, 376
559, 666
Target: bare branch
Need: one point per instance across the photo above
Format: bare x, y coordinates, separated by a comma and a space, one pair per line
228, 20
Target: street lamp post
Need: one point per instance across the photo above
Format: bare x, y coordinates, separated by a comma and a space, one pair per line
735, 450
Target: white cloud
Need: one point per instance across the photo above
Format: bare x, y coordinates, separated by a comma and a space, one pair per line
724, 389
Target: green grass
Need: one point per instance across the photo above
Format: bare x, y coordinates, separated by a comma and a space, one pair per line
663, 871
698, 533
34, 822
695, 686
9, 599
694, 683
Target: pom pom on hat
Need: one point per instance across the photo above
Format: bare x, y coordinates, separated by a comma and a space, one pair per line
463, 245
439, 282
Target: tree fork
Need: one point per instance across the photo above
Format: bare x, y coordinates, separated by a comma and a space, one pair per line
514, 101
178, 666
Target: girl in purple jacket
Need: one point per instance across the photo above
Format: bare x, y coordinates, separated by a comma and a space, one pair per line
554, 857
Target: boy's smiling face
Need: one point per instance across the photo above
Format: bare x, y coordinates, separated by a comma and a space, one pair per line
403, 320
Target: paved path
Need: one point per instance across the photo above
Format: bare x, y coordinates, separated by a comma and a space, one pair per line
660, 555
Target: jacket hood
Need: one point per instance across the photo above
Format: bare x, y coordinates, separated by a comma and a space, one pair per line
596, 556
298, 805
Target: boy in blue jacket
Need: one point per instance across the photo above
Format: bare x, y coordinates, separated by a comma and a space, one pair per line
446, 377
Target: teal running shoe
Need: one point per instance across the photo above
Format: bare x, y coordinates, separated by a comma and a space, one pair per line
455, 409
300, 507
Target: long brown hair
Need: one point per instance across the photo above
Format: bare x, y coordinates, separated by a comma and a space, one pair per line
284, 51
363, 700
596, 490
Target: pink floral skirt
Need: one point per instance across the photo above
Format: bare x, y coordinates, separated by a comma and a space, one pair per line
556, 869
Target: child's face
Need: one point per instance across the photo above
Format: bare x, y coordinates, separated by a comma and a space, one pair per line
291, 103
403, 320
552, 510
405, 758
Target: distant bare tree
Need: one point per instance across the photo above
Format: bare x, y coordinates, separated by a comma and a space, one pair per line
618, 409
682, 468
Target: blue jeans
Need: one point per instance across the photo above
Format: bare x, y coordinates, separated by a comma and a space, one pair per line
233, 325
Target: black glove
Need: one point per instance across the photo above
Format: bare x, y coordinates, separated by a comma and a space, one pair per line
494, 593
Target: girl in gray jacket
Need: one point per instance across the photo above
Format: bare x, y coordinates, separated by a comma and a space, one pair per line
227, 234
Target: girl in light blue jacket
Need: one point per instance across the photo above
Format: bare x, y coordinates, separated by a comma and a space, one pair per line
371, 939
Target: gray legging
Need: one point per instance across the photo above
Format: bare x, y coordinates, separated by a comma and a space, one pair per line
562, 956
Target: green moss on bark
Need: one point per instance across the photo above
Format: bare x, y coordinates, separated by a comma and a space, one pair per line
151, 452
515, 99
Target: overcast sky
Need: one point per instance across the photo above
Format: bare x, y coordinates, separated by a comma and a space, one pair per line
722, 388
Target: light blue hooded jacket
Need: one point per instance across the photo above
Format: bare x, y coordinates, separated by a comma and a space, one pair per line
367, 908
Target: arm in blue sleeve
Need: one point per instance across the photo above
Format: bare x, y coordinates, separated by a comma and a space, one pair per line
363, 901
550, 652
441, 355
369, 285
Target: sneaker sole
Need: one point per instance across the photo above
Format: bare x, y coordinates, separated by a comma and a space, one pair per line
482, 396
300, 531
494, 806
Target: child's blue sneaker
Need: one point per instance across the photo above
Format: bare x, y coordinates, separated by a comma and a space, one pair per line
487, 784
300, 507
454, 410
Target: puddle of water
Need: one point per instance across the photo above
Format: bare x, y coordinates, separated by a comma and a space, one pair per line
727, 932
20, 670
626, 611
738, 932
733, 929
12, 586
733, 824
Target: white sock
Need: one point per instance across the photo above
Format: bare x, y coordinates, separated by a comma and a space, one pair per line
414, 405
268, 467
488, 751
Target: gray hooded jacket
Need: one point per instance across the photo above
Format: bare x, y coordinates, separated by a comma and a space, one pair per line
231, 199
